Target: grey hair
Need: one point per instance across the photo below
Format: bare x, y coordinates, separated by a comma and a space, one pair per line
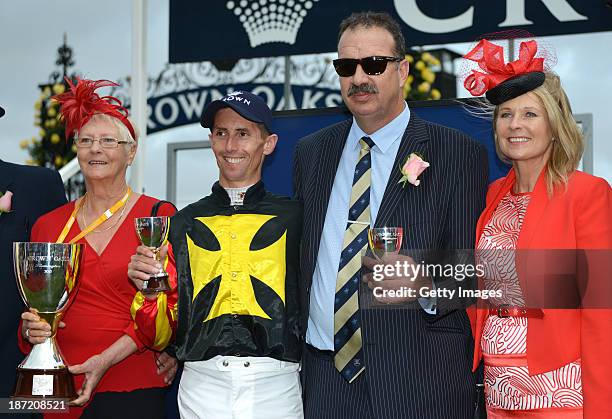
124, 132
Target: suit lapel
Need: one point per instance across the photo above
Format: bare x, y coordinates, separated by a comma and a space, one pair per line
328, 154
5, 180
535, 210
5, 176
415, 139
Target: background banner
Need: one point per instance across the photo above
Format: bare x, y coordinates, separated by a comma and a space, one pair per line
232, 29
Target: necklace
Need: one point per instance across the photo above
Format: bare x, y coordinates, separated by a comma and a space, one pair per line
108, 228
102, 218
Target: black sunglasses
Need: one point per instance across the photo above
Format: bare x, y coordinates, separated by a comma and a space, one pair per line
372, 66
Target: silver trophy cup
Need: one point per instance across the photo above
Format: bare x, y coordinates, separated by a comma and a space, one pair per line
153, 232
385, 240
47, 279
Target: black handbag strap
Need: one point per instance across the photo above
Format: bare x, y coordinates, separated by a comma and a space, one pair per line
158, 205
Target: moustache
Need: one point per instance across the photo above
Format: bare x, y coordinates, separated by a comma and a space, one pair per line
361, 88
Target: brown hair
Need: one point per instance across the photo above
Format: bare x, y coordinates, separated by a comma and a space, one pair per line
379, 20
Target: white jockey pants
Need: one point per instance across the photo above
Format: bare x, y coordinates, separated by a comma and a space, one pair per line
229, 387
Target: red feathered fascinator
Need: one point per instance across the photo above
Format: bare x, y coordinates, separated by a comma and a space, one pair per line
81, 102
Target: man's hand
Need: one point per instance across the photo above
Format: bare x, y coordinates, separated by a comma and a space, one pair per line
94, 369
143, 264
167, 365
395, 279
34, 329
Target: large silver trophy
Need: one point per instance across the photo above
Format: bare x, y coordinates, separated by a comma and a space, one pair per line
153, 233
47, 279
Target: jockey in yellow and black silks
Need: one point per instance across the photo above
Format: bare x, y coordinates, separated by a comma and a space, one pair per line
238, 276
237, 266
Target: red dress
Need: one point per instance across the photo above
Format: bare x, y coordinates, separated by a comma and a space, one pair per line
579, 217
511, 391
101, 312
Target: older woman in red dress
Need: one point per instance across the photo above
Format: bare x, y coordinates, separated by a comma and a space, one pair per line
115, 363
541, 360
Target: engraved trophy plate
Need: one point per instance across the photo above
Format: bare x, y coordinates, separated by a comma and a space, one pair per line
47, 279
153, 233
385, 240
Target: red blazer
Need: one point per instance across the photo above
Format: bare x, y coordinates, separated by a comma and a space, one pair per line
577, 218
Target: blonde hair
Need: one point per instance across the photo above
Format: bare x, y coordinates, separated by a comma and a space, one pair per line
568, 141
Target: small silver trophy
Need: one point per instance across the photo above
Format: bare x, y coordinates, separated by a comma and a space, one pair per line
47, 279
385, 240
153, 233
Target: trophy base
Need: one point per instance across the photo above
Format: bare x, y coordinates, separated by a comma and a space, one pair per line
44, 384
158, 283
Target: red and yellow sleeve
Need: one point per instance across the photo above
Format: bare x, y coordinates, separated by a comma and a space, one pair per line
155, 318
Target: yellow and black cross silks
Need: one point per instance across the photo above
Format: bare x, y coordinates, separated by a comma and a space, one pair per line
238, 273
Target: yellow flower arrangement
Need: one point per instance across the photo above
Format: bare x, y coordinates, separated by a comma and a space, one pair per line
421, 77
424, 87
428, 75
58, 88
48, 148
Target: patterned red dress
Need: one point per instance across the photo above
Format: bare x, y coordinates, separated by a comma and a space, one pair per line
510, 390
106, 305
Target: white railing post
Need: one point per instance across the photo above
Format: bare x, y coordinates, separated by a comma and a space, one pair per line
70, 169
138, 101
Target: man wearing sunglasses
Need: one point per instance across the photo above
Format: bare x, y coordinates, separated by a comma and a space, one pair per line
25, 194
412, 358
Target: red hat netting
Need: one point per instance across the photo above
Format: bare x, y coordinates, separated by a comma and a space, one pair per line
484, 66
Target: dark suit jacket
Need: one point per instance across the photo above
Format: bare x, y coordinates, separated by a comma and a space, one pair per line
417, 365
36, 190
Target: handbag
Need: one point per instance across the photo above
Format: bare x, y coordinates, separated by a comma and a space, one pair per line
158, 205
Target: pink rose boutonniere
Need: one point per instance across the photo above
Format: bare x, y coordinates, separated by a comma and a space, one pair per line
5, 202
412, 169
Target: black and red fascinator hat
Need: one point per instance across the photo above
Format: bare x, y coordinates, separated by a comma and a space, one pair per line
502, 81
81, 102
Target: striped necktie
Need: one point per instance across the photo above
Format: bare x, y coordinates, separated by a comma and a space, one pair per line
348, 357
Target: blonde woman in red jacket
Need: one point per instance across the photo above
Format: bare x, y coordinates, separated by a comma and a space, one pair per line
546, 225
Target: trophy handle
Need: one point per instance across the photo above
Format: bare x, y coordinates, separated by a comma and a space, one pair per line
16, 268
46, 275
